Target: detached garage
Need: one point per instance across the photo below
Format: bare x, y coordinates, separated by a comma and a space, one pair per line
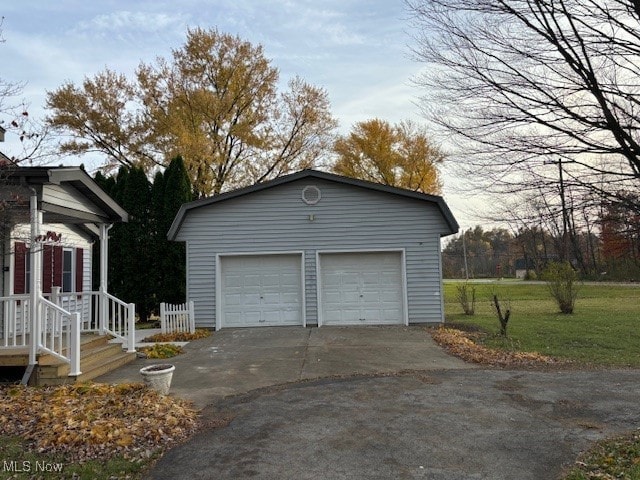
313, 249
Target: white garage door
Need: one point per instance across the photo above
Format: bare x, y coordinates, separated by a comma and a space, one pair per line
261, 290
361, 288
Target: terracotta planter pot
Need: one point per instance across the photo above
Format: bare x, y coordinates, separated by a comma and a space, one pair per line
158, 377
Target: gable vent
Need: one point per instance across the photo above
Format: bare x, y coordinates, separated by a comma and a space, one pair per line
311, 195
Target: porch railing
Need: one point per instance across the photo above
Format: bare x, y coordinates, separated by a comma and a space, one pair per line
100, 312
14, 311
118, 319
61, 319
59, 334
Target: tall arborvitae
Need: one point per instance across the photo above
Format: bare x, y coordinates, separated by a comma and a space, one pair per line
144, 267
132, 243
108, 184
158, 241
116, 235
177, 190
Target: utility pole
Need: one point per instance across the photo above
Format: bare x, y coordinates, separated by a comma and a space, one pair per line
565, 222
564, 212
464, 251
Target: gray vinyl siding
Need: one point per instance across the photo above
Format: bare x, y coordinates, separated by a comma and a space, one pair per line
68, 197
346, 218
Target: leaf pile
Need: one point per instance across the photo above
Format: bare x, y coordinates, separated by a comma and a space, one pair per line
162, 350
461, 345
95, 421
178, 336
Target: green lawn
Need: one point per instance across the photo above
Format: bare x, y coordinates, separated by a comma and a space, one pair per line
603, 330
17, 462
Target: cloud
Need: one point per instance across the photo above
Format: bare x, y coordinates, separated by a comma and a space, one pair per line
125, 20
340, 35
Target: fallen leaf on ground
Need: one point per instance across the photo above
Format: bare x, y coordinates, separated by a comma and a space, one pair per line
178, 336
461, 345
93, 420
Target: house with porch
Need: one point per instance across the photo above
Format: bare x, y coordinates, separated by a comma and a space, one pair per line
54, 328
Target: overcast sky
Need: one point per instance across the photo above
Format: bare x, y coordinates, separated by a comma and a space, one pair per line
358, 50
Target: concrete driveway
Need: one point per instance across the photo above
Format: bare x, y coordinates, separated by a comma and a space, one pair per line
300, 410
436, 425
234, 361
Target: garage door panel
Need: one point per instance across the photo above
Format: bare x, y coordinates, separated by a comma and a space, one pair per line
332, 297
289, 298
362, 288
250, 299
344, 316
261, 290
290, 317
372, 278
372, 315
350, 280
233, 300
291, 279
390, 278
272, 299
371, 297
388, 297
349, 297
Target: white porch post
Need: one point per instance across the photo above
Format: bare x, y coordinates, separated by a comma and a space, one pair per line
35, 284
104, 272
74, 345
131, 328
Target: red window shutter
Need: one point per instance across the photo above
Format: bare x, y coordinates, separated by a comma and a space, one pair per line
79, 269
19, 274
47, 268
57, 266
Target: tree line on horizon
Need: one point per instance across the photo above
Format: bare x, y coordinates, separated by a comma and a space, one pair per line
610, 252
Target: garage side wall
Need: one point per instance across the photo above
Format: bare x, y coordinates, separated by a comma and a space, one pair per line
346, 218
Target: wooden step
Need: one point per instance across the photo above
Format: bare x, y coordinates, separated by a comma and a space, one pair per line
106, 366
97, 358
87, 343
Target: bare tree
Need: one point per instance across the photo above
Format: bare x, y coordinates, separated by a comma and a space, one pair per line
518, 83
15, 120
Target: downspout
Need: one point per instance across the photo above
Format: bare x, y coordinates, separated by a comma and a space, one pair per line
34, 285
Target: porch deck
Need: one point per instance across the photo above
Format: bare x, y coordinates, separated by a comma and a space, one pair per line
97, 357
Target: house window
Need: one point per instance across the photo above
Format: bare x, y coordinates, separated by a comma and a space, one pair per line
61, 267
67, 270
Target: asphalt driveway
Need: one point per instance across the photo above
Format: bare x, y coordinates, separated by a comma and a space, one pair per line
234, 361
381, 403
437, 425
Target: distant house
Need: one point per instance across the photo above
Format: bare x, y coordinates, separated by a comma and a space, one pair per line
314, 248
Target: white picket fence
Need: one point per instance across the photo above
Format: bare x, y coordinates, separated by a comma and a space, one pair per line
177, 318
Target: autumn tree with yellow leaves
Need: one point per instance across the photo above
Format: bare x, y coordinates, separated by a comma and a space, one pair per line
215, 102
399, 155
